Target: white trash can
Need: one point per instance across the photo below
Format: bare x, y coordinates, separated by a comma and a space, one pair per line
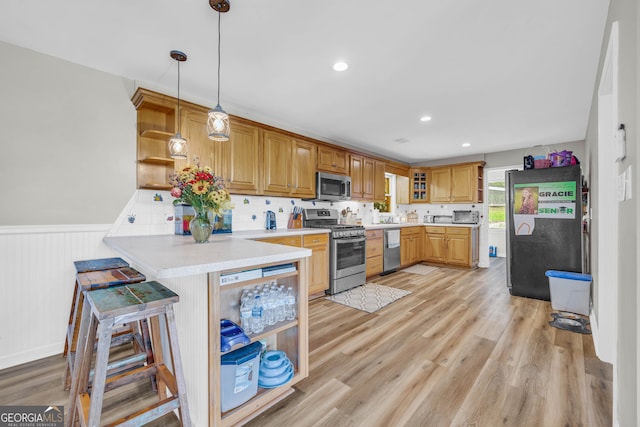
570, 291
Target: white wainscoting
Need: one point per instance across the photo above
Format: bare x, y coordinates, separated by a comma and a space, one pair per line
37, 277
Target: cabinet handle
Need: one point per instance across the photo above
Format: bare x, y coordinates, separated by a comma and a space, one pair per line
288, 185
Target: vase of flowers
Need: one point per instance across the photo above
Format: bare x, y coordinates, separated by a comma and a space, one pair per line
205, 192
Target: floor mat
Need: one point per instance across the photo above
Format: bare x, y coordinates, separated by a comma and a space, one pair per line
369, 297
419, 269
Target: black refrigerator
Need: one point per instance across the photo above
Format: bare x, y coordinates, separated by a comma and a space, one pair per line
543, 226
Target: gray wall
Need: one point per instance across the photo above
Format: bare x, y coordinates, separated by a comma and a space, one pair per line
67, 141
627, 14
512, 157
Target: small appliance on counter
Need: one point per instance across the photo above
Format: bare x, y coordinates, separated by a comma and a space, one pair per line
466, 217
270, 222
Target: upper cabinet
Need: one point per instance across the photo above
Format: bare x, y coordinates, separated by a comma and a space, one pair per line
289, 165
332, 160
367, 178
457, 183
156, 124
419, 187
241, 164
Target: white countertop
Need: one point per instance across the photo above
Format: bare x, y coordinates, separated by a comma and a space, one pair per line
280, 232
417, 224
165, 256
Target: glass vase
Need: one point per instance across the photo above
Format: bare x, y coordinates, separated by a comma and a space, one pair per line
200, 227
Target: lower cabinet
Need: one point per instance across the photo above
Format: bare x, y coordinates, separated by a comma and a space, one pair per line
452, 246
318, 262
374, 252
410, 245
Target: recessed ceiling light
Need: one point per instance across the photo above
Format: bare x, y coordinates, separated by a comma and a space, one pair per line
340, 66
401, 140
425, 118
466, 144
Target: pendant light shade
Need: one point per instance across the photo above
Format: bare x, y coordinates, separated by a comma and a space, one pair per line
177, 144
218, 121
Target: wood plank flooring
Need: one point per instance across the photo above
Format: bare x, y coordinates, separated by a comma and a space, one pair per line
457, 351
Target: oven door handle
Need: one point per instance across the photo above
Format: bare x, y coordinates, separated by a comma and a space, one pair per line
349, 240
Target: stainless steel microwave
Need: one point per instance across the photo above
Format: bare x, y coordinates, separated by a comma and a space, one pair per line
332, 187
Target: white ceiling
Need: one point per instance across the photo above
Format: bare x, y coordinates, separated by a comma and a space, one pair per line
500, 74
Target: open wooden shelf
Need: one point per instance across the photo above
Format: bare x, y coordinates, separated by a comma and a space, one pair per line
156, 134
153, 160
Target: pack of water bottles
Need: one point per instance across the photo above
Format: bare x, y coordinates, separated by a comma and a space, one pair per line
265, 305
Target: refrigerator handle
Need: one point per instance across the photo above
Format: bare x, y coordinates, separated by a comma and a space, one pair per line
507, 220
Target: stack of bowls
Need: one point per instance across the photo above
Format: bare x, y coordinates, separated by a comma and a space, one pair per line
275, 369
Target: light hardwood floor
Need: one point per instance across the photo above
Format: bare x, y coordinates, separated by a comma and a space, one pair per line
457, 351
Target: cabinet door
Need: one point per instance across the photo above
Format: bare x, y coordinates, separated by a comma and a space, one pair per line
458, 249
332, 160
405, 250
368, 178
355, 170
277, 167
240, 159
402, 190
303, 171
318, 263
379, 183
440, 189
419, 188
194, 130
463, 183
434, 247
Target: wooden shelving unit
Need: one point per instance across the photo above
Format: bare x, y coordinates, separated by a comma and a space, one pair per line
288, 336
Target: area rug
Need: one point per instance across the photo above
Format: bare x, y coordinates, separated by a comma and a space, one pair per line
419, 269
369, 297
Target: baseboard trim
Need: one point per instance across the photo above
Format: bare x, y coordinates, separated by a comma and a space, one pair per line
30, 355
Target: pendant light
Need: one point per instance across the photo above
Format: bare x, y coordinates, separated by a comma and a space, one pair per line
218, 120
177, 144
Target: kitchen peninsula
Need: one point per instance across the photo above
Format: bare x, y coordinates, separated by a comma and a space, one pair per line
194, 272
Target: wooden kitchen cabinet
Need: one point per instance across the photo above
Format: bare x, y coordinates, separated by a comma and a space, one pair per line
410, 245
318, 262
374, 252
367, 178
240, 158
289, 165
332, 160
156, 123
457, 183
456, 246
419, 185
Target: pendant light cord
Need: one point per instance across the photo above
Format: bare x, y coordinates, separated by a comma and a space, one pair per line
219, 58
178, 96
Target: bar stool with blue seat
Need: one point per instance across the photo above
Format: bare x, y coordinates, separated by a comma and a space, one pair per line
106, 308
98, 274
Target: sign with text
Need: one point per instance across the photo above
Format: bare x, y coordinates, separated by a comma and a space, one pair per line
31, 416
546, 199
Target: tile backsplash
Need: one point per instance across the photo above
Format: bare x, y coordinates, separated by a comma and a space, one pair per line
152, 212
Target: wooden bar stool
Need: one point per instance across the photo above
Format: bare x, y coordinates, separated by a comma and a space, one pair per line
104, 309
98, 274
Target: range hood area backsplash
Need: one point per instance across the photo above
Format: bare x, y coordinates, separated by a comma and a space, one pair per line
151, 212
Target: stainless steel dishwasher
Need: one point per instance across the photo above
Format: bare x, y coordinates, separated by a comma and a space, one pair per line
391, 250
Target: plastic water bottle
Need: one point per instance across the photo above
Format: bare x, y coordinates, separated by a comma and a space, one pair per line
280, 316
270, 308
257, 316
290, 304
246, 307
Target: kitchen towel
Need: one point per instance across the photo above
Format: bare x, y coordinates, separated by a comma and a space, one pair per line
393, 238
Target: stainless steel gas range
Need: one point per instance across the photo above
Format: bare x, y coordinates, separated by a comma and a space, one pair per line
347, 268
